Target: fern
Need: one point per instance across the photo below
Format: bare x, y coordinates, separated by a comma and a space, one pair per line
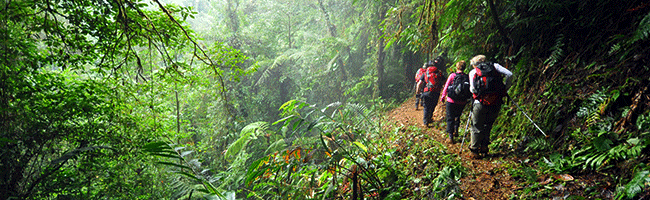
600, 152
557, 163
643, 31
538, 145
615, 48
639, 182
643, 122
188, 168
557, 52
594, 106
279, 62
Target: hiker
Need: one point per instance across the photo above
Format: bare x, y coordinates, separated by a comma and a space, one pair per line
488, 89
441, 65
455, 94
430, 84
418, 75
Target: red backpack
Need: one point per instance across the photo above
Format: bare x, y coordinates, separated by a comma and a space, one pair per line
434, 79
489, 84
419, 74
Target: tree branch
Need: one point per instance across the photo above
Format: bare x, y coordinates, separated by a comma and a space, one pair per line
495, 16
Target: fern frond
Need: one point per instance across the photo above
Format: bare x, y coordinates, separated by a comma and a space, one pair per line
643, 31
637, 184
615, 48
357, 108
557, 51
593, 118
265, 75
279, 61
330, 108
592, 106
538, 144
331, 65
181, 188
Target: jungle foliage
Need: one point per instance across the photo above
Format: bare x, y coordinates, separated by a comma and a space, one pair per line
279, 99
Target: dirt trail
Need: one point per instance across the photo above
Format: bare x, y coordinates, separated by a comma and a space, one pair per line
487, 178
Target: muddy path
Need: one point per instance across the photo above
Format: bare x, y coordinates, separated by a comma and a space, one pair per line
485, 178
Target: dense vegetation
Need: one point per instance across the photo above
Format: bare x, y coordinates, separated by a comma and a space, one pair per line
284, 99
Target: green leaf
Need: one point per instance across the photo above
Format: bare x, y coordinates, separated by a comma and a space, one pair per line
248, 133
287, 118
174, 165
185, 153
363, 147
173, 156
633, 141
636, 185
188, 175
602, 143
156, 146
297, 123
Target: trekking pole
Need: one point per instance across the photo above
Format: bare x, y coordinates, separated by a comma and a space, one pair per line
466, 126
526, 114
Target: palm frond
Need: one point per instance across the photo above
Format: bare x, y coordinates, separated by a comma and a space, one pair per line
185, 167
278, 62
75, 152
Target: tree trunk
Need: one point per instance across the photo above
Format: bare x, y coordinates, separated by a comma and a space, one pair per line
411, 65
233, 22
495, 16
289, 34
330, 25
379, 91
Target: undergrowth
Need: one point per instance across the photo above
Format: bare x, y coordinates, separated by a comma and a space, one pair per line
340, 151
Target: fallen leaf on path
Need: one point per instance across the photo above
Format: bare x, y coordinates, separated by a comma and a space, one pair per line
563, 177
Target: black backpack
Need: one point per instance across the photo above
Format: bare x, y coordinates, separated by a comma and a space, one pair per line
459, 88
489, 84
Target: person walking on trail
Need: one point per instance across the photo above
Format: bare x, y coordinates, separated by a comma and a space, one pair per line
441, 64
430, 84
418, 75
488, 89
455, 94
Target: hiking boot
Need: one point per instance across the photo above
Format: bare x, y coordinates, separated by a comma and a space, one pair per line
484, 150
451, 138
449, 141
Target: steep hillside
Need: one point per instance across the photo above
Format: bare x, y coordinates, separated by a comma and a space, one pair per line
504, 173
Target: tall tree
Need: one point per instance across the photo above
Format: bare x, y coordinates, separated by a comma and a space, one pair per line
380, 88
77, 77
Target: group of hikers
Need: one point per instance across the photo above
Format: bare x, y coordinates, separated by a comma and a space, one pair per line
484, 87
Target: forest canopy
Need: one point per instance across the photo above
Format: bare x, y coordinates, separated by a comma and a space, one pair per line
245, 99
